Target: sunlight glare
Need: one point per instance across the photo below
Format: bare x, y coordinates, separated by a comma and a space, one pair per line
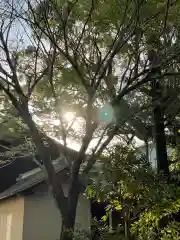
56, 122
69, 116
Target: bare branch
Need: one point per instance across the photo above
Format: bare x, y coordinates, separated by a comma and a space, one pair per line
6, 82
10, 95
84, 27
53, 41
93, 157
100, 140
35, 71
146, 79
38, 79
11, 65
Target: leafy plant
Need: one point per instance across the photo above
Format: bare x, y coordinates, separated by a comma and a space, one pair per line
129, 179
172, 231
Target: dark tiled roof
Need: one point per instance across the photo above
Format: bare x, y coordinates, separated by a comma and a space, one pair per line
9, 173
9, 185
32, 180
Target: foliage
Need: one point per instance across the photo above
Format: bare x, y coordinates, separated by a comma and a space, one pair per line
124, 177
175, 164
14, 132
147, 227
78, 234
151, 198
172, 231
100, 231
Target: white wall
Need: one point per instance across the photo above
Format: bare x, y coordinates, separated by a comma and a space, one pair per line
11, 218
42, 218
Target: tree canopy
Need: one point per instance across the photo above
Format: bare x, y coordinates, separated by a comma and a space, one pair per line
113, 65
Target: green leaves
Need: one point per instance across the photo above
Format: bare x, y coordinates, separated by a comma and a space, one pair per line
172, 231
52, 23
104, 218
116, 205
90, 192
69, 76
149, 220
131, 180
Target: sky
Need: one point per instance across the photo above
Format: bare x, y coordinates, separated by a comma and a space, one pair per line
20, 34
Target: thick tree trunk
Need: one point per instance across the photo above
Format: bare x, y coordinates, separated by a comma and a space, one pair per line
159, 131
52, 177
68, 221
158, 111
66, 230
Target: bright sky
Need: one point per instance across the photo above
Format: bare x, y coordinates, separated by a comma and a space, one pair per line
69, 117
20, 33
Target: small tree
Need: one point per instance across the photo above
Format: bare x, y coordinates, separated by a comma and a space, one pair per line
145, 200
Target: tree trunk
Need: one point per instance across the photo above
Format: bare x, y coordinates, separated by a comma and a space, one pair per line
147, 150
158, 111
68, 205
67, 228
66, 232
160, 137
177, 143
127, 227
52, 177
126, 216
68, 221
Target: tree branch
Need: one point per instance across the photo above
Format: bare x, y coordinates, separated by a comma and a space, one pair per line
11, 65
146, 79
94, 157
10, 95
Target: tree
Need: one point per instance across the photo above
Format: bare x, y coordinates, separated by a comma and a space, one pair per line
147, 202
76, 49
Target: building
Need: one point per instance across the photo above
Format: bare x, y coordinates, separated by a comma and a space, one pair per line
27, 208
152, 153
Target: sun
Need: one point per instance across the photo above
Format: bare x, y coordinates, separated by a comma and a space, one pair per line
69, 116
56, 122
